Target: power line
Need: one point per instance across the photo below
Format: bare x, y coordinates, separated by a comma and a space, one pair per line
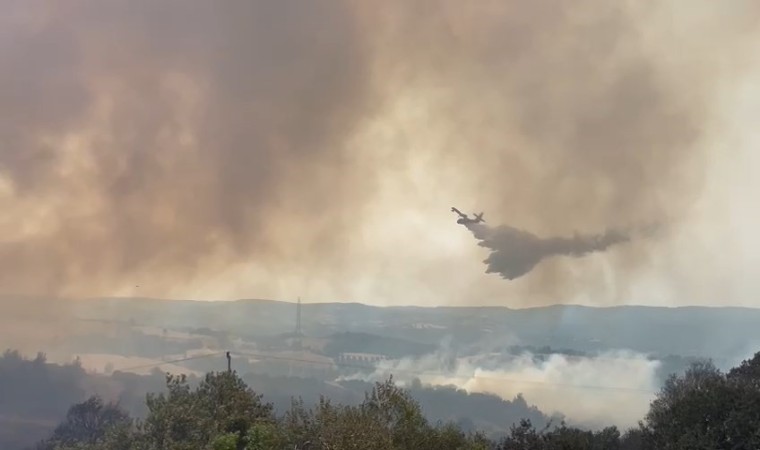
156, 364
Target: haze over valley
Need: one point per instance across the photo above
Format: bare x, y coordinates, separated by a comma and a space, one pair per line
488, 366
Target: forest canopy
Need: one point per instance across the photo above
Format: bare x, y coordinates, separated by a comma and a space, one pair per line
703, 408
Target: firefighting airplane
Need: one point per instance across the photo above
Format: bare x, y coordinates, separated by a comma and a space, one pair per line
464, 219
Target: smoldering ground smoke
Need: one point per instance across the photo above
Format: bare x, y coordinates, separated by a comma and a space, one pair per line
614, 387
159, 142
515, 252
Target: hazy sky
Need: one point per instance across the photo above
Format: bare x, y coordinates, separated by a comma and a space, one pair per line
218, 150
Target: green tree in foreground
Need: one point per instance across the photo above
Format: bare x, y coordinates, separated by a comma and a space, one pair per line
706, 409
222, 405
525, 437
89, 423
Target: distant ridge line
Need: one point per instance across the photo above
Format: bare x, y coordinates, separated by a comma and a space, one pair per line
431, 307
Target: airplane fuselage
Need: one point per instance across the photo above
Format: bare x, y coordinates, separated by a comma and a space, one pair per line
464, 219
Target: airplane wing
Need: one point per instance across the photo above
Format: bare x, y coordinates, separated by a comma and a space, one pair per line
462, 215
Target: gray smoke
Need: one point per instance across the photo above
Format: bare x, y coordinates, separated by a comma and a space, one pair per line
162, 144
516, 252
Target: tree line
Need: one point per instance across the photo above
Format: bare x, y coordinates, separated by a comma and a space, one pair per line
703, 408
35, 395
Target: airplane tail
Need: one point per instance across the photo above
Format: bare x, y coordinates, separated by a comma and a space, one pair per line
479, 217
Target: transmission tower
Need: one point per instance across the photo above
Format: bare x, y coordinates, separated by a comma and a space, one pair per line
298, 318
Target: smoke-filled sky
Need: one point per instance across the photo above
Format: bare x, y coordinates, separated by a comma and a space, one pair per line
212, 150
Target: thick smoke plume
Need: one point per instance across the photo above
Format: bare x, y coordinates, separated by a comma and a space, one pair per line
515, 252
614, 387
255, 145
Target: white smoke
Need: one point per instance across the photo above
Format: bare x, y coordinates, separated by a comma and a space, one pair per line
613, 388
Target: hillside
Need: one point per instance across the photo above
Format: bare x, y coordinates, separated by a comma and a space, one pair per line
720, 333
